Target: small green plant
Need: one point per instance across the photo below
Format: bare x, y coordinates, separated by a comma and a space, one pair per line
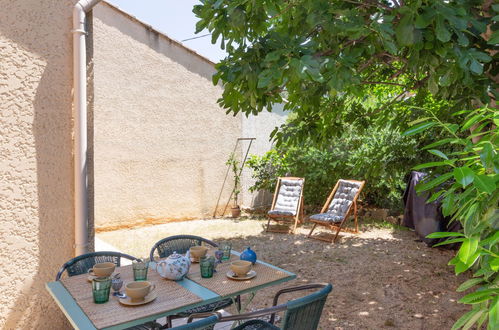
235, 166
467, 181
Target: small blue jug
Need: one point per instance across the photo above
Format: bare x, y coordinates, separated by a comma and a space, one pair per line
248, 255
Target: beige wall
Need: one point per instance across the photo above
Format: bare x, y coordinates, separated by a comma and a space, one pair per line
160, 139
36, 201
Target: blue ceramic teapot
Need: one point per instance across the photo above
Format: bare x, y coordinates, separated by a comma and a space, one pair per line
248, 255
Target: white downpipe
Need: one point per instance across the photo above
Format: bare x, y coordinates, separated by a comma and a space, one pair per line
80, 124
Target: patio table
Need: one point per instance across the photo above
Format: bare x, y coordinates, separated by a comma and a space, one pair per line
74, 295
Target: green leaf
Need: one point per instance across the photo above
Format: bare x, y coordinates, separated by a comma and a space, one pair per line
441, 234
494, 313
468, 249
438, 153
487, 155
485, 183
494, 264
405, 31
470, 122
449, 241
418, 128
473, 319
439, 143
476, 67
432, 164
441, 30
494, 38
477, 297
433, 183
468, 284
464, 319
464, 175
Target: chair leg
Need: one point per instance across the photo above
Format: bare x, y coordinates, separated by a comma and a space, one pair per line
296, 223
169, 321
355, 217
337, 233
268, 225
310, 234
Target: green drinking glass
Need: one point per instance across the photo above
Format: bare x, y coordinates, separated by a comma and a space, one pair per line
225, 248
207, 265
140, 270
100, 289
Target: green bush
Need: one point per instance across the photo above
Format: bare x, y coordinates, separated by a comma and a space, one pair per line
379, 155
467, 181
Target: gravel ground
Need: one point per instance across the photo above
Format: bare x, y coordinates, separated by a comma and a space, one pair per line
382, 278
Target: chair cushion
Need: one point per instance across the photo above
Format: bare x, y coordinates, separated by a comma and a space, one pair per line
256, 325
340, 203
287, 198
283, 213
327, 217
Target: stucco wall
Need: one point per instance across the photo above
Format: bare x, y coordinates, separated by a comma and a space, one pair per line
160, 139
36, 203
260, 128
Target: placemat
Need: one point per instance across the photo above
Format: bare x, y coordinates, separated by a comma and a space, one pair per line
224, 286
171, 295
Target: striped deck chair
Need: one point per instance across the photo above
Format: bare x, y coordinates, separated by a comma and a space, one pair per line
338, 207
287, 203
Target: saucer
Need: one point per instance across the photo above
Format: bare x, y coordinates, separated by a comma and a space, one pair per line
147, 299
230, 274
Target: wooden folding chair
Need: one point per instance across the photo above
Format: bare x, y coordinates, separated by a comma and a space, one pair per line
338, 208
287, 203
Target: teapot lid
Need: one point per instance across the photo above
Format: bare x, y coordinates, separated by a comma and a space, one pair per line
174, 255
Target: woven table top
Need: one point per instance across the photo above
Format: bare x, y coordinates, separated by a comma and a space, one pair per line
224, 286
170, 296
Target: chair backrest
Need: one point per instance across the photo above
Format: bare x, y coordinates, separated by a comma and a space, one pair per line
81, 264
206, 323
343, 195
288, 195
305, 312
179, 244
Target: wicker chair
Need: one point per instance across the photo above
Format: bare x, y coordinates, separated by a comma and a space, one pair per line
338, 208
82, 263
301, 313
204, 324
181, 244
287, 203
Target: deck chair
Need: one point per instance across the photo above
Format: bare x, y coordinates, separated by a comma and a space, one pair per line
338, 207
287, 203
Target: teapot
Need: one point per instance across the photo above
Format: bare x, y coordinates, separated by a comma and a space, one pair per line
175, 267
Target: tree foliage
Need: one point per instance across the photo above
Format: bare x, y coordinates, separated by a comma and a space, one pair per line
322, 58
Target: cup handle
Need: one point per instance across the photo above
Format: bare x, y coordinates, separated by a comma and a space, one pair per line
153, 287
91, 272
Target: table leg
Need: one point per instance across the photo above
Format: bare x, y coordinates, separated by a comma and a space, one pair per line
241, 308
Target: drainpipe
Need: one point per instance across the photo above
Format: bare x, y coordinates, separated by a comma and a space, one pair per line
80, 124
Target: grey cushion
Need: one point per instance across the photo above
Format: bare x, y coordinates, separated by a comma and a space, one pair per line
287, 198
340, 203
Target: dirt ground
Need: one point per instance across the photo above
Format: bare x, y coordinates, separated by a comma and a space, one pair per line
382, 278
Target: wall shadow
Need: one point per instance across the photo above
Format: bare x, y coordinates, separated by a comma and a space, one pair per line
42, 29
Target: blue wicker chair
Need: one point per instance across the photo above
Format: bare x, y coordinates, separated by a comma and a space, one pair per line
181, 244
81, 264
301, 313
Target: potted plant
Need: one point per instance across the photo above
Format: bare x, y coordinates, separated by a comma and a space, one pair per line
236, 171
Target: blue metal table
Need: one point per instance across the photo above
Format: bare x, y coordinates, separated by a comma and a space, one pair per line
79, 320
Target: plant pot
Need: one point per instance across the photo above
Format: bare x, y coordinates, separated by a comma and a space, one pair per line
236, 211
